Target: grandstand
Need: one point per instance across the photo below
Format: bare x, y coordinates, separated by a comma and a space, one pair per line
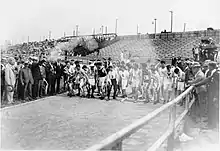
140, 48
162, 46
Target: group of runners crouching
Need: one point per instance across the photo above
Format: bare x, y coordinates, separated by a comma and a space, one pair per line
147, 82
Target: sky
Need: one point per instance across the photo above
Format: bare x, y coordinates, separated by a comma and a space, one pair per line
35, 18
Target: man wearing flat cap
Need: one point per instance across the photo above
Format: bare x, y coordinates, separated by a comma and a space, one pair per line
212, 82
200, 91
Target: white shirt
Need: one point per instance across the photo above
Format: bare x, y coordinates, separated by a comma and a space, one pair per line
162, 72
197, 51
71, 69
124, 74
112, 74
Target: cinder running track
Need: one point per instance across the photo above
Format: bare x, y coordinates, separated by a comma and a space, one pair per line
60, 122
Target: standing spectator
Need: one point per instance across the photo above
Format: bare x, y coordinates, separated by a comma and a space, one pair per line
3, 63
26, 80
35, 69
200, 91
20, 87
10, 80
51, 77
213, 97
42, 87
205, 68
187, 71
179, 63
58, 68
173, 60
196, 53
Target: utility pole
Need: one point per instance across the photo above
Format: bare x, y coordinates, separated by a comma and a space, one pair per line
155, 27
28, 40
116, 26
184, 27
106, 30
93, 31
137, 29
74, 32
64, 34
171, 25
77, 28
49, 35
102, 29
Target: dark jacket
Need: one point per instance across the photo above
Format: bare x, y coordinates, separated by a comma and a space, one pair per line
173, 61
25, 76
59, 70
36, 71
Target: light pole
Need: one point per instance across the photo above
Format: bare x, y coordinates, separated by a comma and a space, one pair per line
106, 30
74, 32
137, 29
49, 35
155, 27
77, 28
171, 26
93, 31
64, 34
102, 29
116, 25
184, 27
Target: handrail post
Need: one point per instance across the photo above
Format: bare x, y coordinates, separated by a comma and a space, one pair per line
187, 102
170, 141
116, 147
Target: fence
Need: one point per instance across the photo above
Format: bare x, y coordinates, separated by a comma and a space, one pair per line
114, 142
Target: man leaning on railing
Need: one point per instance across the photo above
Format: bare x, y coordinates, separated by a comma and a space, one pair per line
213, 96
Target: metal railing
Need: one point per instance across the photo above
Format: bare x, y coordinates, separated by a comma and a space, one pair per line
114, 142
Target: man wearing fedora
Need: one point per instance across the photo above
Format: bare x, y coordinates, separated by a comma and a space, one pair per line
26, 80
10, 80
200, 91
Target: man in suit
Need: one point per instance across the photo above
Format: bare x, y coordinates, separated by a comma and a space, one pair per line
200, 91
3, 63
10, 80
51, 77
212, 82
35, 69
43, 78
26, 80
59, 68
173, 60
